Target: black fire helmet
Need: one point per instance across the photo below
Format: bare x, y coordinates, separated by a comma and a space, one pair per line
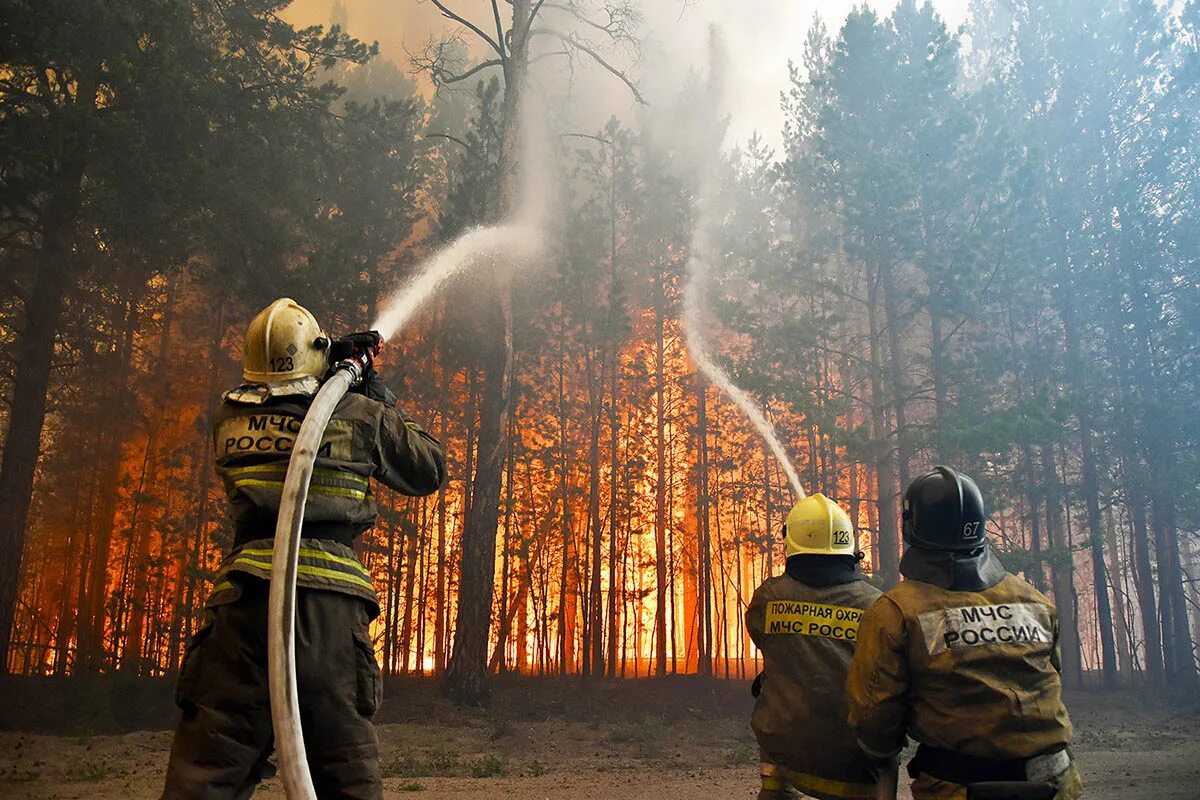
943, 510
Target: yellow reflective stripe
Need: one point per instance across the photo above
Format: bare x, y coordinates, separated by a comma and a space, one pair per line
349, 562
337, 491
305, 569
222, 586
308, 552
315, 488
254, 469
412, 426
240, 482
249, 562
336, 575
281, 469
806, 781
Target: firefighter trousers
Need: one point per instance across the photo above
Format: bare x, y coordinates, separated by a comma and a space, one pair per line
224, 736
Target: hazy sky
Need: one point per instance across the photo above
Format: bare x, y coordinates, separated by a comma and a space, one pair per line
761, 36
768, 33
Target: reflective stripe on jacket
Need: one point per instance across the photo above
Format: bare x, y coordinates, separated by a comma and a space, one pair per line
323, 565
365, 439
972, 672
807, 635
254, 431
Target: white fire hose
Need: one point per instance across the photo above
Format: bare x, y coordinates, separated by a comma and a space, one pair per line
281, 621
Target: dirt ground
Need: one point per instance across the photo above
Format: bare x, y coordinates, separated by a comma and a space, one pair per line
1129, 748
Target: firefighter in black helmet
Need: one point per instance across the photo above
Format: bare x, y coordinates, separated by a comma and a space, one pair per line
962, 656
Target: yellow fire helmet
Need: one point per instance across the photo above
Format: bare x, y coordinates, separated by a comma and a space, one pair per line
818, 526
284, 343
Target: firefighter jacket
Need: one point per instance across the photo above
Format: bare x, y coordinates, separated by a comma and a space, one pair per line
969, 670
806, 630
254, 430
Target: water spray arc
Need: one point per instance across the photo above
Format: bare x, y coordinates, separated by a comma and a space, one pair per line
694, 291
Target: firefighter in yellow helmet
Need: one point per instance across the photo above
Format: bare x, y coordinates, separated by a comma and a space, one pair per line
963, 657
805, 622
224, 736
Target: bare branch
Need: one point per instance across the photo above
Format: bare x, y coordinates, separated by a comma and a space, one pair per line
499, 32
443, 64
623, 18
466, 23
532, 16
551, 54
448, 78
572, 41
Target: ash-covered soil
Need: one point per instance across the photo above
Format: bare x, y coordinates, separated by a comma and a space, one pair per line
659, 740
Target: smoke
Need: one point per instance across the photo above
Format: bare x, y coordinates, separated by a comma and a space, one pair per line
499, 247
711, 133
518, 241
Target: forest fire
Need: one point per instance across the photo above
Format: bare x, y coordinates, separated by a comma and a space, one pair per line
155, 523
659, 352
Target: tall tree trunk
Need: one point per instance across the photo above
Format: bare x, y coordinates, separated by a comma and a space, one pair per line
613, 467
1124, 651
1037, 573
887, 543
1062, 572
704, 604
466, 674
595, 625
897, 371
1091, 493
1104, 618
143, 534
1178, 648
27, 414
91, 639
498, 664
660, 491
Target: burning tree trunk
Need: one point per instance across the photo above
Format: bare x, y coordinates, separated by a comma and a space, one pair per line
466, 674
660, 493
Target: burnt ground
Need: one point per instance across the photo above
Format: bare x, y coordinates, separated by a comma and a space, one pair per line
547, 738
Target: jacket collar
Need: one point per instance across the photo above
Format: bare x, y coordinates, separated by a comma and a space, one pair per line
259, 393
822, 571
957, 572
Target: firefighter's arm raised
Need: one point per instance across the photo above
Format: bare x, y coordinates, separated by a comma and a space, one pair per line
408, 459
877, 684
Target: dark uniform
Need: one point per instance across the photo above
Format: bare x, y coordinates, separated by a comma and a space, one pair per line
225, 736
805, 622
963, 657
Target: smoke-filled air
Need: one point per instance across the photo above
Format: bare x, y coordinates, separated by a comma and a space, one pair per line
750, 398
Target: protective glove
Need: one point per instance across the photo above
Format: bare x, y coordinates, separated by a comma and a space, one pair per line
362, 348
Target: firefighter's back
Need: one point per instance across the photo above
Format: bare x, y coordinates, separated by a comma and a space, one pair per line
807, 634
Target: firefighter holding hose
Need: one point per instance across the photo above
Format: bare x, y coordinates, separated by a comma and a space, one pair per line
964, 657
224, 736
805, 622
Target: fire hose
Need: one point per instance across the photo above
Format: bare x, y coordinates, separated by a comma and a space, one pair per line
285, 562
